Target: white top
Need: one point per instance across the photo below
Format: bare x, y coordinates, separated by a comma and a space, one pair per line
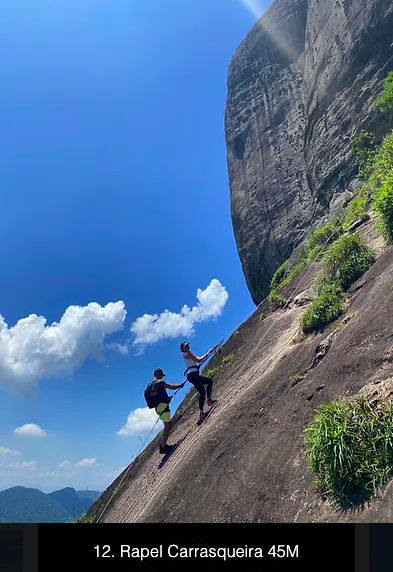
190, 362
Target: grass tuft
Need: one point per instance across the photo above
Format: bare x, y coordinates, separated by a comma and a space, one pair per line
357, 209
278, 276
346, 261
326, 308
381, 182
350, 449
323, 236
276, 301
215, 370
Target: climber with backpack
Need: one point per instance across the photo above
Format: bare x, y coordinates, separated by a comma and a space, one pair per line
157, 398
193, 364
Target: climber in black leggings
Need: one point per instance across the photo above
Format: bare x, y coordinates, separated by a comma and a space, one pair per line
198, 381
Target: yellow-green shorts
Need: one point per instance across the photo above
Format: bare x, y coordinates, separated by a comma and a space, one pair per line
166, 416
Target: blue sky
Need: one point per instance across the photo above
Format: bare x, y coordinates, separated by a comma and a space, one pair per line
114, 192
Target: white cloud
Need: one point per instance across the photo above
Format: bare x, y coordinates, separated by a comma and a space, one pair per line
86, 463
4, 451
65, 465
121, 348
29, 465
139, 421
31, 350
39, 476
149, 329
30, 430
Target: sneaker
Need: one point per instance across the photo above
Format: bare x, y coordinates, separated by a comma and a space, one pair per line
202, 416
211, 402
166, 450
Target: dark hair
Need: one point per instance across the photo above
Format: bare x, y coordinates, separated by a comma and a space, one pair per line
182, 346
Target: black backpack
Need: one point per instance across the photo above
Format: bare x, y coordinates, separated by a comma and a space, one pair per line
155, 394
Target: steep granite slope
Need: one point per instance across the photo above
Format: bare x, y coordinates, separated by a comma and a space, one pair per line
247, 462
299, 87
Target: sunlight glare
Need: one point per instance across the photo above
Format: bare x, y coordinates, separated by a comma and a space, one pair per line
255, 7
277, 33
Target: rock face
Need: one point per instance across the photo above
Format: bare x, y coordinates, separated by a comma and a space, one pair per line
300, 86
247, 462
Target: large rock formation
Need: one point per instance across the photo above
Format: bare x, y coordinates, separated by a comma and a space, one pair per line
299, 87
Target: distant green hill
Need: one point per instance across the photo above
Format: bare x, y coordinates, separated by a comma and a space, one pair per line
92, 495
70, 500
21, 504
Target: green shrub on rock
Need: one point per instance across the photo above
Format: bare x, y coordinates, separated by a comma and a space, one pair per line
326, 308
347, 260
350, 449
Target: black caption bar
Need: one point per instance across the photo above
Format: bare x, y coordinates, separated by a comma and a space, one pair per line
380, 547
11, 547
214, 546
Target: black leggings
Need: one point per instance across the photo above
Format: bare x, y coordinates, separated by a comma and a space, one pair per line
198, 381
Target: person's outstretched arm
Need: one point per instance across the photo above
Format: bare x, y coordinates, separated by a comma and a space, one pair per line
199, 359
169, 386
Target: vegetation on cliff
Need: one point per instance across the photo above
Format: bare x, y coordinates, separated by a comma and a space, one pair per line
350, 442
350, 449
343, 255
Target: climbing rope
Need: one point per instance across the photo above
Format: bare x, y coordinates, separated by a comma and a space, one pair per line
255, 371
126, 472
130, 465
255, 349
318, 251
312, 262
